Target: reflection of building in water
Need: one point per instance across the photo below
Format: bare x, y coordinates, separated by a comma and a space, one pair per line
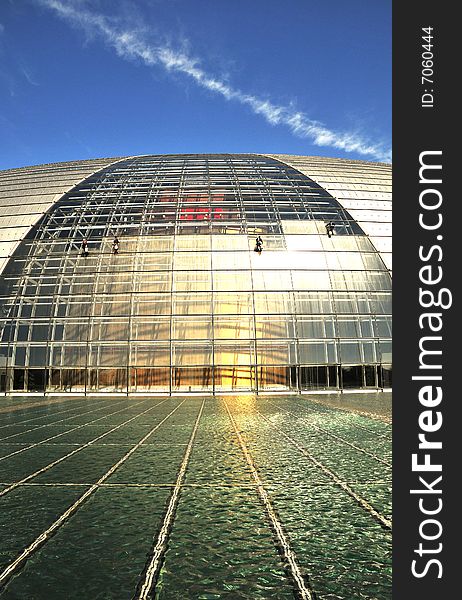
186, 304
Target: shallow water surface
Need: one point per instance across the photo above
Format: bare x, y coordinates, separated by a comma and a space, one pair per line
202, 498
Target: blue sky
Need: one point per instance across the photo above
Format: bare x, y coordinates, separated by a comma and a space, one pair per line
92, 78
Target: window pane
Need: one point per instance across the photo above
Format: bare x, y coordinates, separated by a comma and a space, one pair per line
192, 328
233, 328
233, 354
152, 355
312, 353
350, 352
150, 329
198, 354
233, 303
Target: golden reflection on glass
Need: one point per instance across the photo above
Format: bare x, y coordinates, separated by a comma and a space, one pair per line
187, 304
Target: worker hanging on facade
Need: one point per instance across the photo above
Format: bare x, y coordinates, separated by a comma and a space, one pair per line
115, 245
258, 245
84, 247
330, 228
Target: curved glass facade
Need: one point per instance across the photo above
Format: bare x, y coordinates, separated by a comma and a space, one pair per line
187, 305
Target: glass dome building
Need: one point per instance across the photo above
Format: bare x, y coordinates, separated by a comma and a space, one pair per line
187, 304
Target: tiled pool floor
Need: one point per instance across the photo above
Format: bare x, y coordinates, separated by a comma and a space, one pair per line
202, 498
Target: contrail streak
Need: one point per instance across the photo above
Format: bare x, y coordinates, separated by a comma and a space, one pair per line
131, 45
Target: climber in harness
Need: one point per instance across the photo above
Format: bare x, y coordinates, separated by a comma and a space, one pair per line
115, 246
258, 245
330, 229
84, 247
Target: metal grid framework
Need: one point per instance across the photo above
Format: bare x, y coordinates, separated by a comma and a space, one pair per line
190, 497
186, 304
362, 188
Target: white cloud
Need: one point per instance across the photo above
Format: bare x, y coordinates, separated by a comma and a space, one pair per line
130, 44
29, 77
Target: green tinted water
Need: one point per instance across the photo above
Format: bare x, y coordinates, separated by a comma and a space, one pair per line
221, 544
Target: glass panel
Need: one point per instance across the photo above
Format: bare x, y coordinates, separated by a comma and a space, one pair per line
373, 261
192, 281
370, 376
233, 354
109, 380
74, 306
115, 283
370, 349
311, 327
150, 380
152, 355
271, 280
307, 260
234, 377
108, 356
151, 281
192, 379
366, 327
381, 303
303, 242
273, 260
40, 332
386, 376
19, 379
232, 303
341, 242
333, 376
350, 260
345, 303
352, 377
73, 380
363, 303
312, 353
270, 378
230, 242
152, 304
230, 260
383, 327
192, 304
348, 327
103, 330
271, 242
386, 351
313, 378
187, 261
357, 280
185, 354
107, 306
150, 329
37, 356
379, 281
69, 356
232, 280
331, 347
272, 303
193, 242
364, 243
281, 353
274, 327
233, 328
311, 280
350, 352
36, 380
154, 262
192, 328
162, 243
313, 303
